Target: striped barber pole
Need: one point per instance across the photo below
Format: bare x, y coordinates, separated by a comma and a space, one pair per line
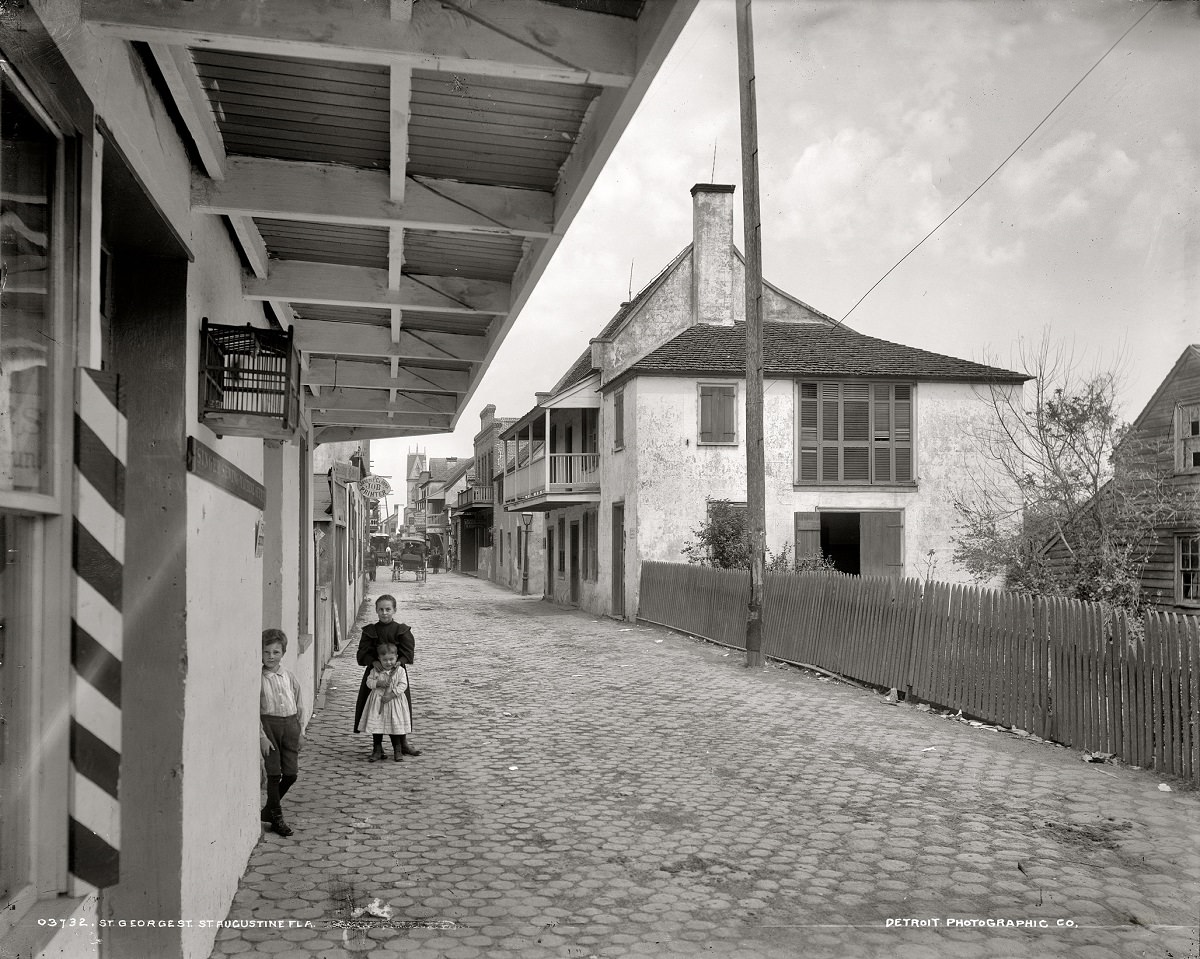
97, 559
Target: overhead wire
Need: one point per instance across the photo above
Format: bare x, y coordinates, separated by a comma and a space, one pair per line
1003, 162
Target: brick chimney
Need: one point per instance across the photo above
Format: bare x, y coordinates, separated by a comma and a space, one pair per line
712, 253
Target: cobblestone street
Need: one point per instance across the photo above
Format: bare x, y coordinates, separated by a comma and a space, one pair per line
589, 788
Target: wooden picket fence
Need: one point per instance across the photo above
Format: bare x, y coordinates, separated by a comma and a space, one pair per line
1076, 673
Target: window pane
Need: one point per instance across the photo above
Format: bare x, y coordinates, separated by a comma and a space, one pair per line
27, 159
1189, 568
16, 670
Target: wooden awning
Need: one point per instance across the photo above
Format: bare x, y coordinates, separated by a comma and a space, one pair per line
397, 174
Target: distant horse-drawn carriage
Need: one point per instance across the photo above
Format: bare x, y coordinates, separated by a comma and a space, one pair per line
408, 556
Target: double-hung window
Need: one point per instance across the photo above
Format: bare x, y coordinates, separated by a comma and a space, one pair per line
854, 433
1187, 438
1187, 570
718, 413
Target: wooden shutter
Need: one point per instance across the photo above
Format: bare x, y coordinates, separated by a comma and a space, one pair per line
619, 419
807, 535
718, 414
881, 543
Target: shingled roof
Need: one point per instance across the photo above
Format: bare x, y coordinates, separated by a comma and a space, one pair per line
798, 349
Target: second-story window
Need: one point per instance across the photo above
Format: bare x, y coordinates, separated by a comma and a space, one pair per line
1187, 438
718, 413
619, 420
854, 433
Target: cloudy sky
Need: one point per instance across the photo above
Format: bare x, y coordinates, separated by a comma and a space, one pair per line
877, 118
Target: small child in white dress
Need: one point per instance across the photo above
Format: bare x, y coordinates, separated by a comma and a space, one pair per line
386, 710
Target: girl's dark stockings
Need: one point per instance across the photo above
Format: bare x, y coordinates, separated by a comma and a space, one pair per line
398, 747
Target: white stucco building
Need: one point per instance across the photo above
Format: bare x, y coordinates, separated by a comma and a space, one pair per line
866, 441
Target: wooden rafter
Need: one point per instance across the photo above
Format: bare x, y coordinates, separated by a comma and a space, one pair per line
333, 193
352, 373
376, 401
501, 38
357, 339
179, 73
427, 421
299, 281
341, 434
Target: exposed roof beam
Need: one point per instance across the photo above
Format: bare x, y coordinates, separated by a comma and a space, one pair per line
376, 401
425, 421
333, 193
377, 376
179, 72
500, 38
342, 434
357, 339
253, 246
657, 28
299, 281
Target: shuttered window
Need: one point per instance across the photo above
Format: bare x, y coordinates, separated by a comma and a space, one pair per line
1187, 431
718, 413
619, 420
854, 433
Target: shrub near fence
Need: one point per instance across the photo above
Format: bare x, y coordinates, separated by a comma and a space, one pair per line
1076, 673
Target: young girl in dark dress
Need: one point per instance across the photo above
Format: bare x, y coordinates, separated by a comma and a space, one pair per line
387, 630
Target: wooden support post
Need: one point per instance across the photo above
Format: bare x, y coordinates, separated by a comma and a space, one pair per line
755, 462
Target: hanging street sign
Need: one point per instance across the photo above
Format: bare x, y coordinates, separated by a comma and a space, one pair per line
374, 487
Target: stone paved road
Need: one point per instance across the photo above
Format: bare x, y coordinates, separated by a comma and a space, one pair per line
589, 789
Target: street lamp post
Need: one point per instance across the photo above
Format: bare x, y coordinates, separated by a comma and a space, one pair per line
526, 521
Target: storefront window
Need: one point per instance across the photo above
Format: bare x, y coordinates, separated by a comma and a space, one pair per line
28, 156
16, 651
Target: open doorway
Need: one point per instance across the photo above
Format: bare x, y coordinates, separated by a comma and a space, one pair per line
861, 543
841, 541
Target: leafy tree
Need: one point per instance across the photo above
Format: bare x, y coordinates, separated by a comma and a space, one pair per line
722, 541
1072, 502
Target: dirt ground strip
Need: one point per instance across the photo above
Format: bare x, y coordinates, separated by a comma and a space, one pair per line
589, 788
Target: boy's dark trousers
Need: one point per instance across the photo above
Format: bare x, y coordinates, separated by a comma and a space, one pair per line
282, 762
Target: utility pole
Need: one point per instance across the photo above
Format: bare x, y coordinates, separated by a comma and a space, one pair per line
756, 520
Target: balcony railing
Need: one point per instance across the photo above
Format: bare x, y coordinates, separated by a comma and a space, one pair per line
475, 496
436, 521
574, 469
564, 473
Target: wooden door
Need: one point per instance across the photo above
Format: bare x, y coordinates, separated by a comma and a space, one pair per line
881, 543
618, 560
574, 560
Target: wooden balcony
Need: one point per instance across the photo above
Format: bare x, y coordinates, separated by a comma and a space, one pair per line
476, 497
562, 479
